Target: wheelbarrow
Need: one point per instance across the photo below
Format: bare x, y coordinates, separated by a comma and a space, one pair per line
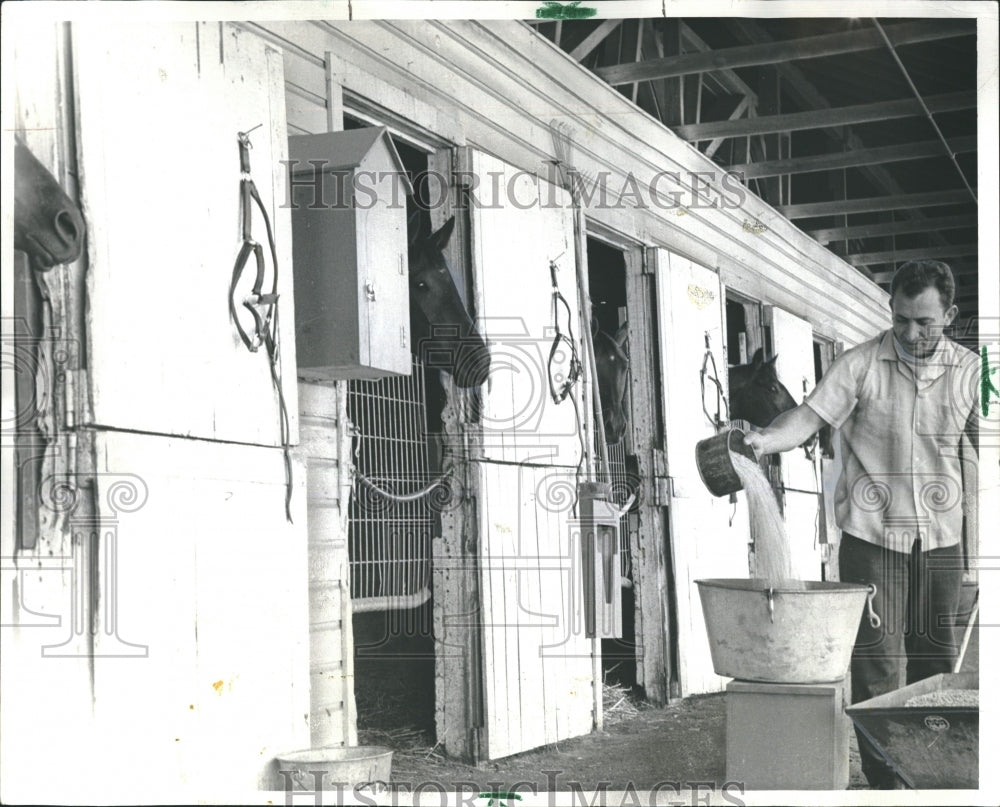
927, 746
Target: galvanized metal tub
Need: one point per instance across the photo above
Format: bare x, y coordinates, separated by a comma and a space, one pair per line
799, 633
358, 767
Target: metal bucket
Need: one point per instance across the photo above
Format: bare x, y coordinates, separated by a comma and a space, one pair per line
715, 465
360, 767
802, 633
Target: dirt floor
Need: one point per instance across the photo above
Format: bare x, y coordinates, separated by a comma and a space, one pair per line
641, 745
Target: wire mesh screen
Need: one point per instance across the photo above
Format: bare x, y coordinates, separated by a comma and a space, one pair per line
389, 541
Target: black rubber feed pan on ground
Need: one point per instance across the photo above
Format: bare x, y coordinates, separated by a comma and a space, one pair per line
929, 747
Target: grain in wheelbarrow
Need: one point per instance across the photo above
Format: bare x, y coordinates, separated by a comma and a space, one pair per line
946, 697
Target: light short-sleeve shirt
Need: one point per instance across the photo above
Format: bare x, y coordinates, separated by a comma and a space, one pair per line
900, 430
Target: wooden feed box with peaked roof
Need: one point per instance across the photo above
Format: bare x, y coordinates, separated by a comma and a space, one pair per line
348, 191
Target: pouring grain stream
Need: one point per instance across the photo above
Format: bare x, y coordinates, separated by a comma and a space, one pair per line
774, 561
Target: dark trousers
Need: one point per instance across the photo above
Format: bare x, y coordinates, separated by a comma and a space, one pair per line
917, 599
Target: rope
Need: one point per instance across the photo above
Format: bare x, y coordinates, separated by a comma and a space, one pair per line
403, 497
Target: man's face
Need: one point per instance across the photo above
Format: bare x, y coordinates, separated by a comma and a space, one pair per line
918, 321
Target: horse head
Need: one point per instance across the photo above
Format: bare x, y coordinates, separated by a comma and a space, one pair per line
441, 329
47, 224
755, 394
612, 372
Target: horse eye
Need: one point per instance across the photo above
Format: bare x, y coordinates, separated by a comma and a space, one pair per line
421, 284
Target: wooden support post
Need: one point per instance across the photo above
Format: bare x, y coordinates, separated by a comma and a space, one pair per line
458, 674
838, 190
334, 98
768, 93
697, 106
672, 87
652, 601
638, 56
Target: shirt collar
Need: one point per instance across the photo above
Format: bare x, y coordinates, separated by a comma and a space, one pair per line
926, 369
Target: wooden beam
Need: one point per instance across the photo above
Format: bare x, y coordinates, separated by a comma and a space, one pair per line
823, 118
892, 228
729, 79
802, 91
594, 38
668, 42
782, 51
874, 204
903, 255
769, 92
638, 56
853, 159
745, 105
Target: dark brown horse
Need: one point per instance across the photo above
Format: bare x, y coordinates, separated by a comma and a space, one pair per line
755, 393
48, 225
441, 330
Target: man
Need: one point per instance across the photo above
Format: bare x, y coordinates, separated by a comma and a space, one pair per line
902, 402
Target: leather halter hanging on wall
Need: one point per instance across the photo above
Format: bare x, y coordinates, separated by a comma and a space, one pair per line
263, 307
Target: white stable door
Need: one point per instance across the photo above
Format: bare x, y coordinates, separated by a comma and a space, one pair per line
708, 536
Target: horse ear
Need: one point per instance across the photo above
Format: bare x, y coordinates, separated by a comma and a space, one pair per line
758, 358
441, 237
595, 325
415, 227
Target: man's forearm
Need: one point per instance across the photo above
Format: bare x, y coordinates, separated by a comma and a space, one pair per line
788, 430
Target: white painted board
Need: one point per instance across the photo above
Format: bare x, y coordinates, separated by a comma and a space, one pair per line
521, 223
703, 542
211, 580
538, 682
159, 110
791, 339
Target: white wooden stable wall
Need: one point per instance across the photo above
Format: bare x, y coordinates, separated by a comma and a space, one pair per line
497, 86
208, 574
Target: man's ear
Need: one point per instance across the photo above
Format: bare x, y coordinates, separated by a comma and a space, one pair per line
950, 315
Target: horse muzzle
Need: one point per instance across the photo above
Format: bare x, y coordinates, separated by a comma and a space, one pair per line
472, 367
614, 427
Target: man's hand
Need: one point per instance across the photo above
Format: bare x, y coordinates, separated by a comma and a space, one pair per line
788, 430
758, 442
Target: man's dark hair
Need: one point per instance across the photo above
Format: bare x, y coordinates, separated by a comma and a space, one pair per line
914, 276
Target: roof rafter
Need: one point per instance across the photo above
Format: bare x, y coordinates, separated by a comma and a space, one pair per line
773, 52
873, 204
823, 118
853, 159
802, 91
901, 255
594, 38
893, 228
